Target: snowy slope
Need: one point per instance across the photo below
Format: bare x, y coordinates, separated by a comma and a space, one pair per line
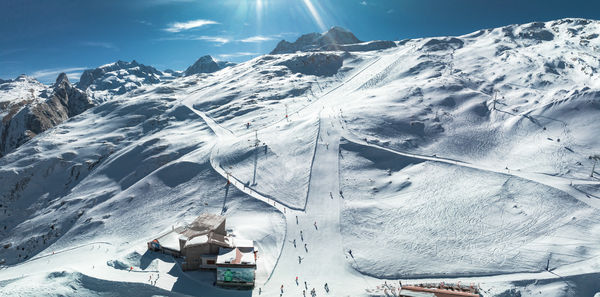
452, 158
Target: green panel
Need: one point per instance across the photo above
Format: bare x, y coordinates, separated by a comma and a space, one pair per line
235, 275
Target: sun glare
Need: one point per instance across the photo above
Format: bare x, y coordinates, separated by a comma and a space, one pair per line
315, 14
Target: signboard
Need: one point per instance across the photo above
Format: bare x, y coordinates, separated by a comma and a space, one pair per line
235, 275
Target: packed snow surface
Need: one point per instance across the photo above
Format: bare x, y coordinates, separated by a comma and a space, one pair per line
438, 159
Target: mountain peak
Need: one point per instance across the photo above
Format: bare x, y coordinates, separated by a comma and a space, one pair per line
314, 41
62, 78
206, 64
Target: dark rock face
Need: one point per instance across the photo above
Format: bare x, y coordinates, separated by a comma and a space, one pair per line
206, 64
31, 117
315, 41
321, 64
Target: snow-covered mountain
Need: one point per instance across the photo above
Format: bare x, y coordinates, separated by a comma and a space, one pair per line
206, 64
336, 38
28, 108
455, 159
118, 78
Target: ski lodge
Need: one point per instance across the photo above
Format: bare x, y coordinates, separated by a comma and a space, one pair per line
205, 244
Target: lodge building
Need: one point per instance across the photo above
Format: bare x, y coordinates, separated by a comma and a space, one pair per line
205, 244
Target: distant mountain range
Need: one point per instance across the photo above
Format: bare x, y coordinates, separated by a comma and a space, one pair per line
46, 106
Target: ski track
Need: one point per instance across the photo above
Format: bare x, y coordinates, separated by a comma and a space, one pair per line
320, 208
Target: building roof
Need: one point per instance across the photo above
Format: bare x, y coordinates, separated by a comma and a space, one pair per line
198, 240
238, 255
237, 242
441, 292
206, 222
221, 240
416, 294
170, 240
194, 233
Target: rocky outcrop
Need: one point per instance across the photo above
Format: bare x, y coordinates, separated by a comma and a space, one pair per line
315, 41
24, 118
206, 64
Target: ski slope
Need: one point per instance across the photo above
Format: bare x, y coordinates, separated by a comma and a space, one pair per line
455, 159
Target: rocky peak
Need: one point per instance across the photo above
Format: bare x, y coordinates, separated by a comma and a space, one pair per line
33, 115
206, 64
61, 79
338, 35
315, 41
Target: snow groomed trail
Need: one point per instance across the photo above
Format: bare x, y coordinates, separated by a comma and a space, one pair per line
557, 182
313, 250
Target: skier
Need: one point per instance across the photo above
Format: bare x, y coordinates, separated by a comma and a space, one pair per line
304, 293
331, 195
296, 280
296, 220
326, 288
299, 260
294, 242
316, 226
305, 285
350, 252
281, 289
305, 248
301, 236
259, 291
327, 145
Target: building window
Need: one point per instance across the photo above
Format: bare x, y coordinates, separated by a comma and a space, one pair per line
210, 262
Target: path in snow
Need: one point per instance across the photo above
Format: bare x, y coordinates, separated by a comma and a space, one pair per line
324, 259
557, 182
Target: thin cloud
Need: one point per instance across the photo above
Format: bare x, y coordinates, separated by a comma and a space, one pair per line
390, 11
256, 39
183, 26
235, 55
49, 75
363, 3
214, 39
107, 45
143, 22
220, 40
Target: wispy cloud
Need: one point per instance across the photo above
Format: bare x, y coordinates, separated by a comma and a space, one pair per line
49, 75
390, 11
235, 55
143, 22
363, 3
107, 45
214, 39
182, 26
256, 39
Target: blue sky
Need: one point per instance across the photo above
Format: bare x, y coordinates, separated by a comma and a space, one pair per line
42, 37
